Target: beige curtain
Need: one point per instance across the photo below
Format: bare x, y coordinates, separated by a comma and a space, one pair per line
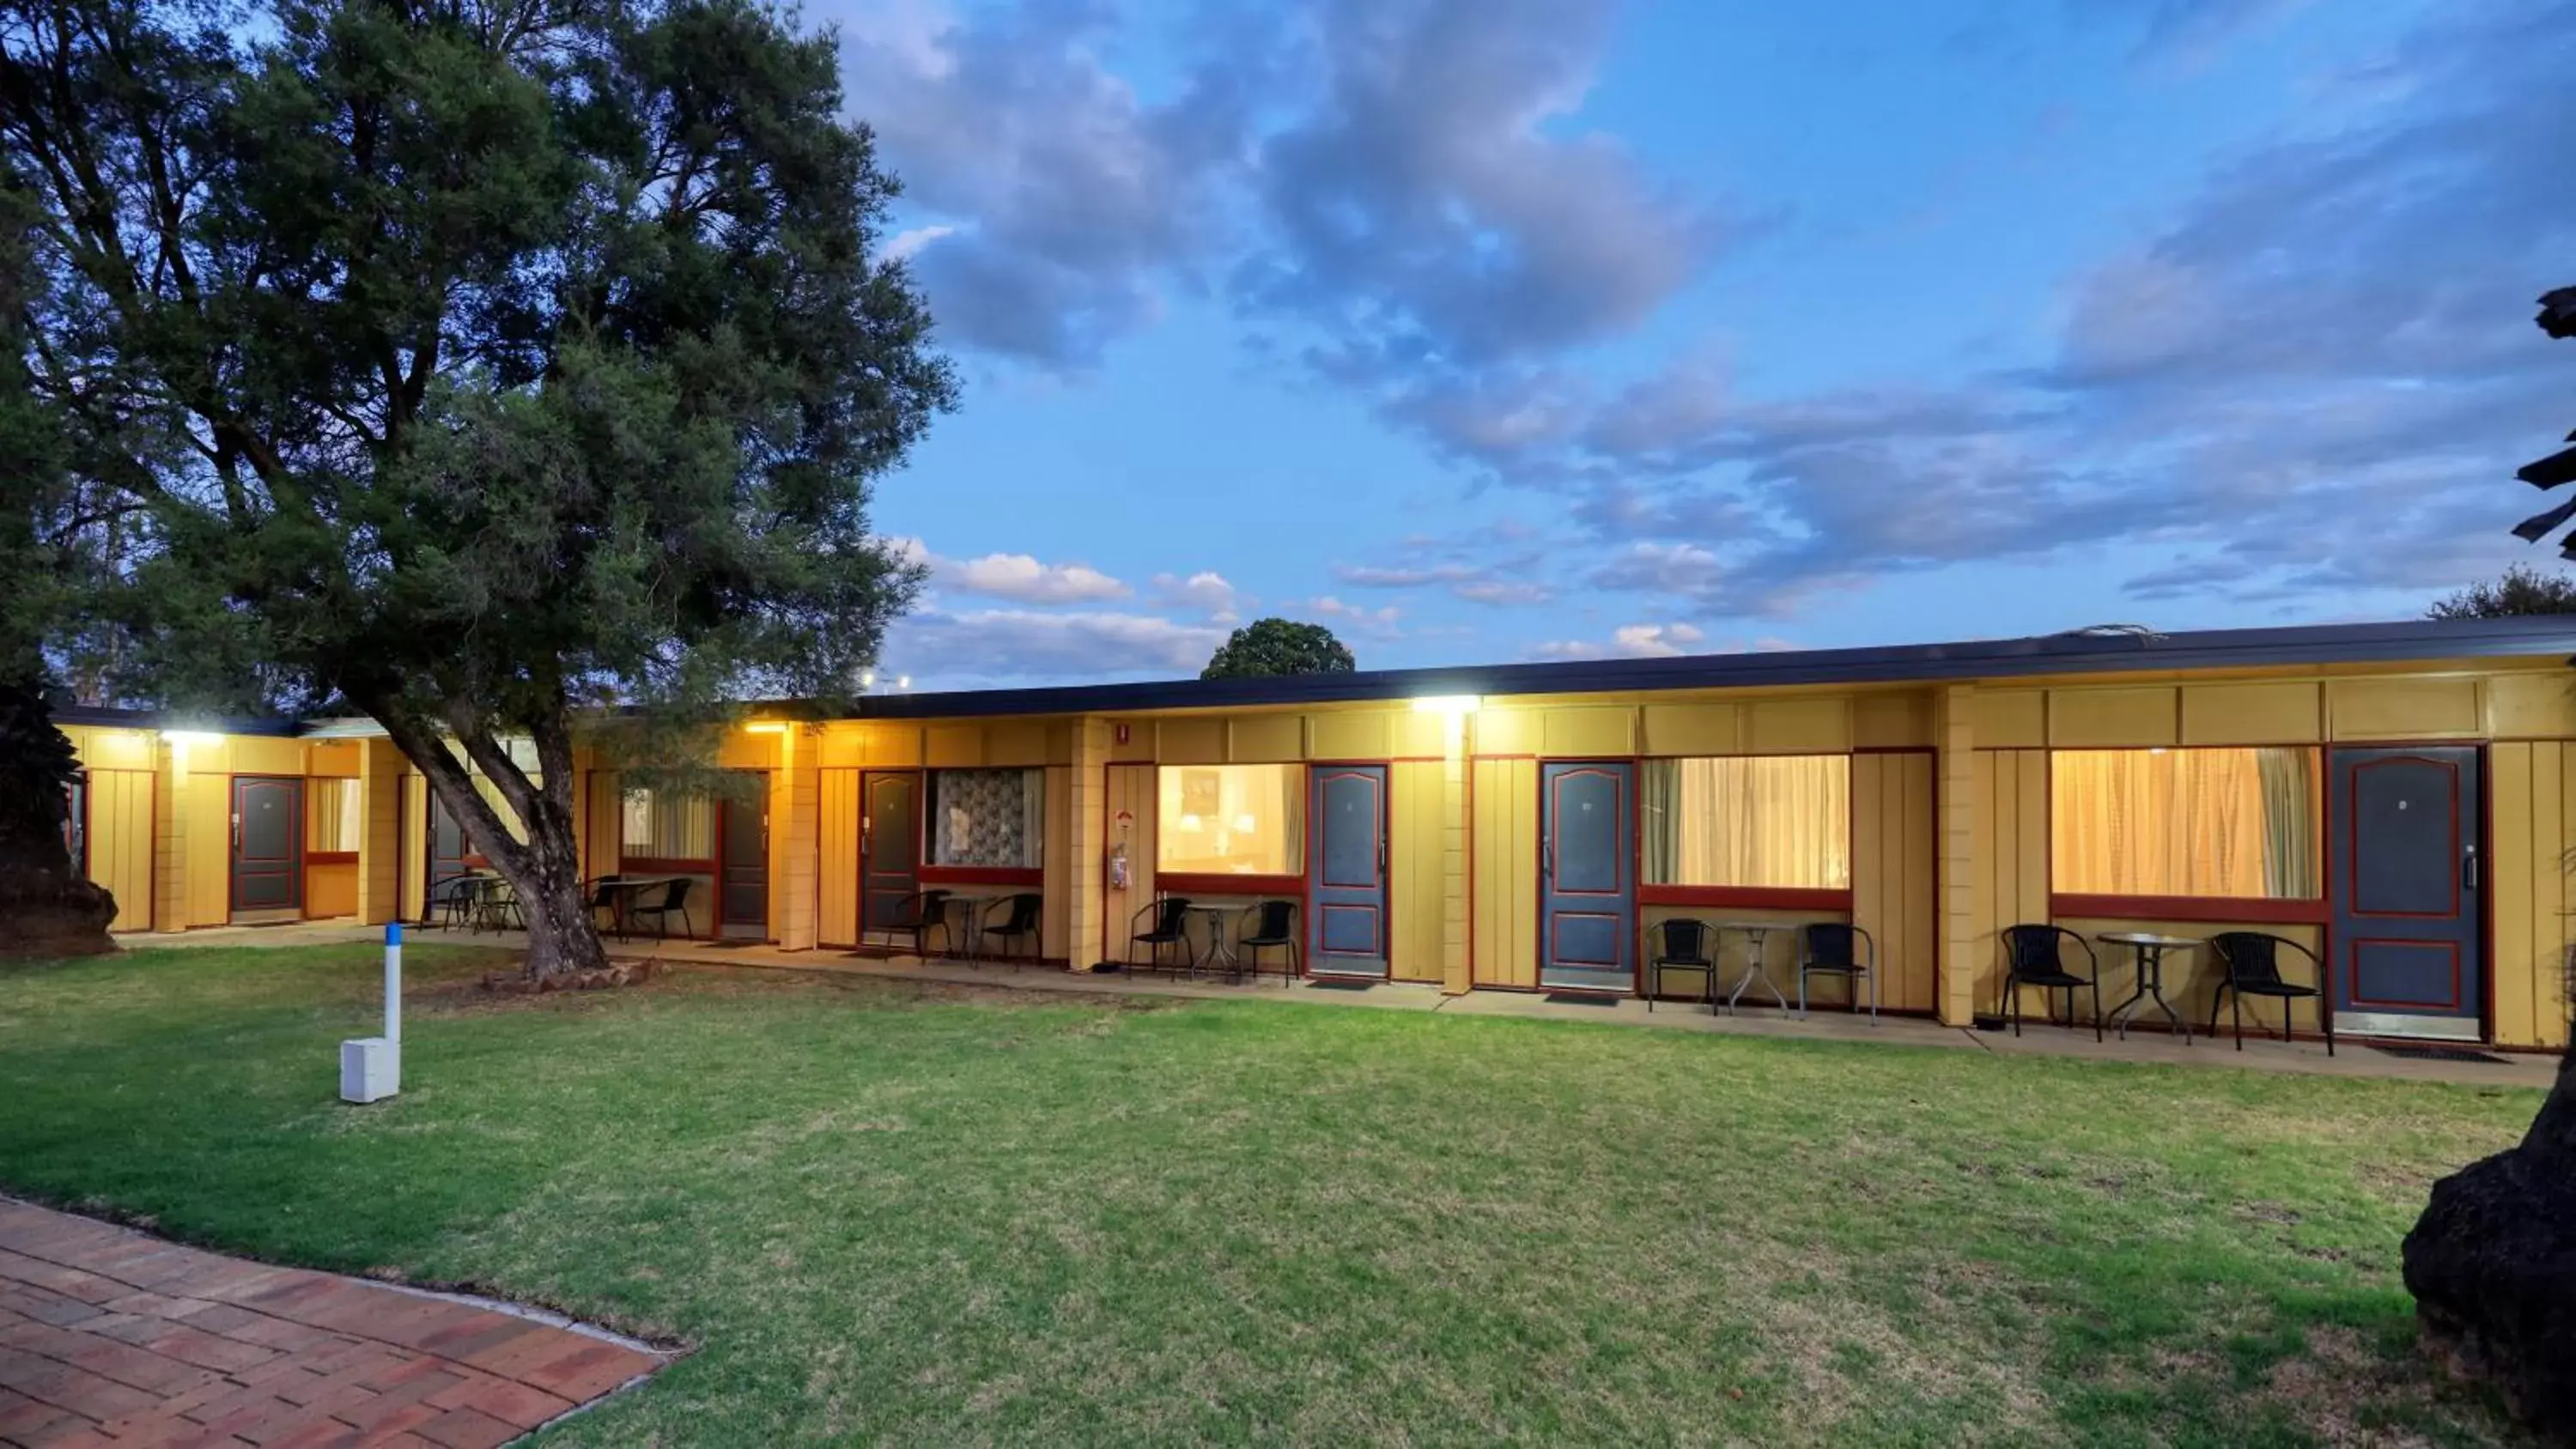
1779, 820
2230, 823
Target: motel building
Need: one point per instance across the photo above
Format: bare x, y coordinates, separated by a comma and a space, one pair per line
2399, 799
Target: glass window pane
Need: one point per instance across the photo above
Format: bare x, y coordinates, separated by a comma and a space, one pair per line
659, 826
1780, 821
1230, 819
2227, 823
993, 818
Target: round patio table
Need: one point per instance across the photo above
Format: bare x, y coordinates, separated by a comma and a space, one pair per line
2149, 949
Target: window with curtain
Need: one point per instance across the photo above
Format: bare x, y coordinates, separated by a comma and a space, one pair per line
658, 825
1781, 821
994, 818
2228, 823
1230, 819
331, 815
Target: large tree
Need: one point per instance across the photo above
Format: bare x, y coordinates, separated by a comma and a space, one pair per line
1278, 646
2521, 590
2492, 1262
476, 363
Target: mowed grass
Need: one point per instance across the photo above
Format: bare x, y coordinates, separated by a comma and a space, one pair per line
884, 1213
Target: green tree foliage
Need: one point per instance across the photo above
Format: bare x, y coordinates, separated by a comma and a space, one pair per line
1278, 646
476, 362
2522, 590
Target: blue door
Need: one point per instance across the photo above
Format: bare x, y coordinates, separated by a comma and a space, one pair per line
1346, 871
2407, 893
1587, 888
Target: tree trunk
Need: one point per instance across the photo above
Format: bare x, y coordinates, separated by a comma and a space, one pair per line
562, 937
2492, 1265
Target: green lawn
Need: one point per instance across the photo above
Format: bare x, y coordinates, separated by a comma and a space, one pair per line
906, 1215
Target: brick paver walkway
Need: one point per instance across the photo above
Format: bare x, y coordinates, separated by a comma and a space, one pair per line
108, 1336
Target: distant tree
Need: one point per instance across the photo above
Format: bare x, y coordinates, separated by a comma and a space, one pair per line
481, 362
2492, 1262
2523, 590
1278, 646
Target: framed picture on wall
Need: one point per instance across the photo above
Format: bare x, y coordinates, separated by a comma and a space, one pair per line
1199, 793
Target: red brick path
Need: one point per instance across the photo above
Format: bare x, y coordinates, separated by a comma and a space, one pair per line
108, 1336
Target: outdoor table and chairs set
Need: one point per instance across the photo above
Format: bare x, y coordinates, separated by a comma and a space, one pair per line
973, 925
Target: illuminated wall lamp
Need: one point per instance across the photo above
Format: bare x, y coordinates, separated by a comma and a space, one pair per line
1451, 704
766, 727
191, 737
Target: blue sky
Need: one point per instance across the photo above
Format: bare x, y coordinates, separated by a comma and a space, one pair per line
1487, 330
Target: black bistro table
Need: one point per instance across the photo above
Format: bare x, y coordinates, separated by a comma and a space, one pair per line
2149, 949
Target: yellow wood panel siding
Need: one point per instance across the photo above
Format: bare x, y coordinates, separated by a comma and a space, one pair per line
384, 853
604, 824
795, 812
1693, 729
265, 755
1891, 722
1507, 732
1074, 894
338, 759
209, 849
106, 749
2253, 714
2556, 899
836, 846
1577, 730
1015, 743
1798, 726
1189, 741
415, 860
1055, 915
330, 890
949, 747
1418, 830
2011, 857
1892, 875
2007, 718
1506, 872
1264, 739
119, 831
2529, 706
1416, 735
1139, 741
169, 844
2078, 718
2532, 804
1963, 912
2403, 709
1131, 791
1352, 736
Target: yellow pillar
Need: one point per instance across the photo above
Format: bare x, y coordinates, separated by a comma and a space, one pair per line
1955, 744
170, 836
380, 842
1086, 893
795, 834
1457, 970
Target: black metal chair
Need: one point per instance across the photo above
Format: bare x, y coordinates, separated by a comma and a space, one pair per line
1274, 924
451, 904
1682, 944
1836, 949
675, 899
1020, 924
496, 904
2252, 964
922, 911
2032, 957
1170, 928
603, 898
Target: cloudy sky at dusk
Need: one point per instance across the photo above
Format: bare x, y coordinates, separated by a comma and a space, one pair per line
1487, 330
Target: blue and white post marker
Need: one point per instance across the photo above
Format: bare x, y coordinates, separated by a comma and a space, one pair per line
371, 1066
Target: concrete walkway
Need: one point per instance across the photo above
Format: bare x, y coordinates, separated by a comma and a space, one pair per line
112, 1337
2354, 1059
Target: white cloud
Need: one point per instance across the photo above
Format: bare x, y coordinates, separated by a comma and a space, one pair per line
1020, 576
1632, 641
1206, 592
943, 650
909, 243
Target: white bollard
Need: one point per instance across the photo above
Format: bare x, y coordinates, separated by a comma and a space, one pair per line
371, 1066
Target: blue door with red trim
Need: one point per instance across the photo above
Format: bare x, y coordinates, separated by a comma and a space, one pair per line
2407, 892
1346, 871
1587, 883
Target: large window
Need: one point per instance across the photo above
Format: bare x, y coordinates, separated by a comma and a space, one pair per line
331, 815
992, 818
1230, 819
658, 825
2238, 824
1781, 821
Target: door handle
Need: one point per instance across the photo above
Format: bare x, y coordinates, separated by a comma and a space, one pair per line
2469, 869
1546, 857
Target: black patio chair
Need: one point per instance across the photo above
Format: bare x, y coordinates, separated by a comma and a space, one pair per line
1170, 928
2033, 957
922, 911
496, 904
603, 899
1020, 924
1833, 948
1681, 945
2252, 963
675, 900
451, 903
1273, 925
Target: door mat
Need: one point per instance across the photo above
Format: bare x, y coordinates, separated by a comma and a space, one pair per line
1327, 983
1578, 998
2443, 1054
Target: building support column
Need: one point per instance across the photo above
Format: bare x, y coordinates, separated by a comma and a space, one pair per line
1086, 925
1457, 964
795, 835
380, 825
1955, 775
170, 835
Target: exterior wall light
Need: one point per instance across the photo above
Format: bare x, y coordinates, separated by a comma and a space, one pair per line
1450, 704
765, 727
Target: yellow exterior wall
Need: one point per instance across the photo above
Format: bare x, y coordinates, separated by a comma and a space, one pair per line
119, 832
837, 844
1893, 841
2008, 859
1504, 870
1418, 832
2532, 794
1130, 791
